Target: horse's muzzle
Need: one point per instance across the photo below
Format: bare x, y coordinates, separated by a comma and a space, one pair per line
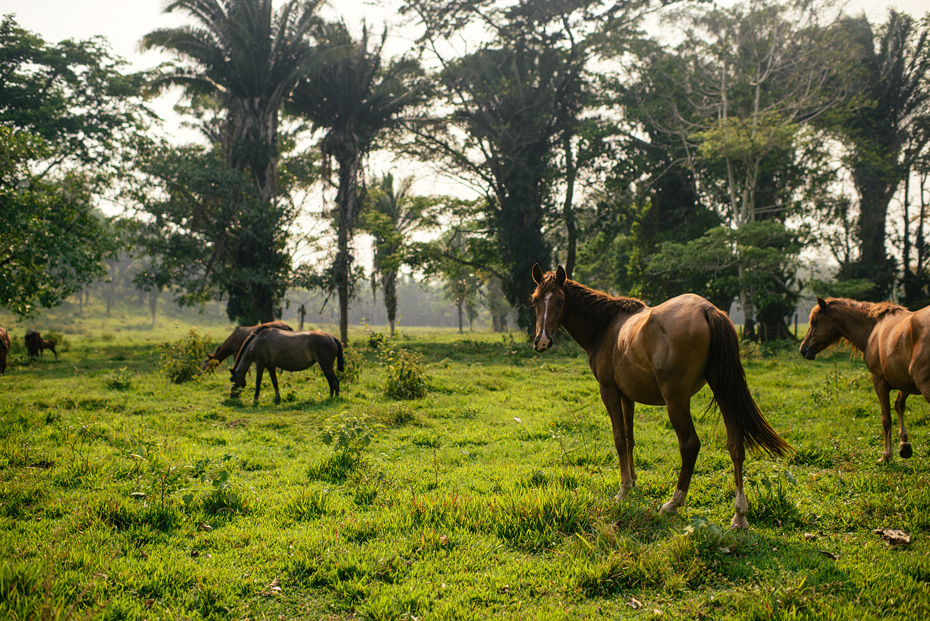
542, 342
807, 353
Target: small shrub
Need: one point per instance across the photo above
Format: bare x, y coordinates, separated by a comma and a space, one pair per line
376, 341
352, 369
406, 375
121, 380
180, 361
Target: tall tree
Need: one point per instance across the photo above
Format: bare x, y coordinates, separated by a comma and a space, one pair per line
757, 76
351, 95
392, 214
70, 120
884, 134
247, 58
514, 128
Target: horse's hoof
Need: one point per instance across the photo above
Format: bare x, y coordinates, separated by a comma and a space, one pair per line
623, 493
883, 460
905, 450
669, 508
739, 522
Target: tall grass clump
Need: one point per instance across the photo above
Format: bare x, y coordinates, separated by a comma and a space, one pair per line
180, 361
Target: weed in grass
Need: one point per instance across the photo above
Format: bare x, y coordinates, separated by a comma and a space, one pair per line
121, 380
771, 501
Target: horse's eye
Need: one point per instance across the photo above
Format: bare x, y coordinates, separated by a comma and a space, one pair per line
560, 302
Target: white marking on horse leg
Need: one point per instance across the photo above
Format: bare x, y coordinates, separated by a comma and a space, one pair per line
742, 508
678, 499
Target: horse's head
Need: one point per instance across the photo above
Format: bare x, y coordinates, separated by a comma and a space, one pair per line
237, 379
549, 300
207, 363
823, 330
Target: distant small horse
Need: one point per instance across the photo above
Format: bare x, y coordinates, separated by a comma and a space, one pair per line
658, 356
233, 342
895, 344
272, 349
35, 344
5, 344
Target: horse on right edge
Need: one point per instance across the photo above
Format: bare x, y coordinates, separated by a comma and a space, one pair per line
895, 344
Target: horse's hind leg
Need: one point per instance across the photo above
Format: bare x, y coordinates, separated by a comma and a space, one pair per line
737, 451
904, 449
331, 379
689, 445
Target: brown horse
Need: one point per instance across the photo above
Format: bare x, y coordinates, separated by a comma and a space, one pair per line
895, 344
658, 356
292, 351
233, 342
35, 344
5, 344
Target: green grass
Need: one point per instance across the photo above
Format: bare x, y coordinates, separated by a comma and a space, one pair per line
126, 496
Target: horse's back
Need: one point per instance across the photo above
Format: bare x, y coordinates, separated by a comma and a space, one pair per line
664, 348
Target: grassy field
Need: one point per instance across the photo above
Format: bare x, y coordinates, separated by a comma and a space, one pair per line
126, 496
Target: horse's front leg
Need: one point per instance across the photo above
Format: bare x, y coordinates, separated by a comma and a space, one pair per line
904, 449
259, 369
689, 445
883, 390
274, 382
613, 400
628, 406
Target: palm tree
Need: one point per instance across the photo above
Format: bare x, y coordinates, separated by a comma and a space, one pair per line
247, 58
352, 98
391, 215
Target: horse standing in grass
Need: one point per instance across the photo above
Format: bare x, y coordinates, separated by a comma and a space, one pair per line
272, 349
895, 344
658, 356
5, 344
35, 344
233, 342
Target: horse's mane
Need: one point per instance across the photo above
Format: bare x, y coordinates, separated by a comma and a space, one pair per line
248, 341
598, 308
872, 310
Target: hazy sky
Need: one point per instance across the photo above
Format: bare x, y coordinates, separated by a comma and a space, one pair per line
124, 22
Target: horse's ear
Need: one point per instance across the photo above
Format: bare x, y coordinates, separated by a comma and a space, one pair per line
560, 275
822, 303
537, 274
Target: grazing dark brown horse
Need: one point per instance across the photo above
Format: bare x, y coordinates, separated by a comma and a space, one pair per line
658, 356
233, 342
35, 344
5, 344
271, 349
895, 344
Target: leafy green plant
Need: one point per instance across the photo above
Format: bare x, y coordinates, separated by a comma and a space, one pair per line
180, 361
121, 380
406, 375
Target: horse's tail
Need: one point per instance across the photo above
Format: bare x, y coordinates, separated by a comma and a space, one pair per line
340, 359
727, 380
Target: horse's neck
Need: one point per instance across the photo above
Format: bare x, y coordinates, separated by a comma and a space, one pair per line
586, 333
856, 326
